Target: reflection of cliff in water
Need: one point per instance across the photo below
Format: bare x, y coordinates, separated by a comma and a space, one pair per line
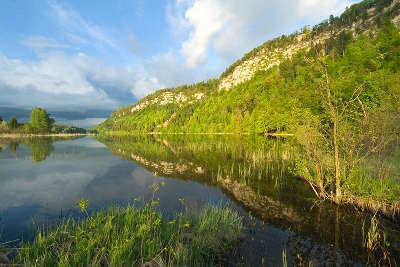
256, 174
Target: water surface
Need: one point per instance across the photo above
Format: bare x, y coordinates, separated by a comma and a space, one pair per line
42, 178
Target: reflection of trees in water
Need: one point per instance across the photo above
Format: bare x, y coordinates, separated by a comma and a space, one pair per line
40, 148
3, 145
13, 147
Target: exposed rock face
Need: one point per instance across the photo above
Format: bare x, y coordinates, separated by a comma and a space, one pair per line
162, 99
168, 97
265, 58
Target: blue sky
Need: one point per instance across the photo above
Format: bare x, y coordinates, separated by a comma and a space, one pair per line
80, 55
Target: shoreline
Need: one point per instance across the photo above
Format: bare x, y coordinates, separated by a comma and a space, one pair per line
390, 211
17, 135
192, 133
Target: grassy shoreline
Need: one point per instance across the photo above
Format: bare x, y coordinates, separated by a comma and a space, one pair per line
134, 236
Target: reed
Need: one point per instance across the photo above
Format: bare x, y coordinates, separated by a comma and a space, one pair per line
134, 236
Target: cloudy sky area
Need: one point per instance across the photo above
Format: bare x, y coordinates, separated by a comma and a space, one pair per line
79, 55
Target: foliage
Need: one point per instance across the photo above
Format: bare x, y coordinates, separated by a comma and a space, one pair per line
132, 236
3, 126
56, 128
13, 124
40, 121
376, 243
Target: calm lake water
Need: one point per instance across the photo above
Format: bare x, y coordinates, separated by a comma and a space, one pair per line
41, 179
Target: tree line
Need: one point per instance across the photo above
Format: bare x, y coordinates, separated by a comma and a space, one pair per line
40, 122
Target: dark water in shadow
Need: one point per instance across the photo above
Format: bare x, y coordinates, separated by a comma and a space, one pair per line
41, 180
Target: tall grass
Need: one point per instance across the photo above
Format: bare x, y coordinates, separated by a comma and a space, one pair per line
134, 236
376, 243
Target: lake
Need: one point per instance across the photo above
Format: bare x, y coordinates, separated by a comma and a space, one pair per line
41, 180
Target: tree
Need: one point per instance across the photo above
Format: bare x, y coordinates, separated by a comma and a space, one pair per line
334, 116
40, 120
3, 125
44, 120
13, 124
35, 119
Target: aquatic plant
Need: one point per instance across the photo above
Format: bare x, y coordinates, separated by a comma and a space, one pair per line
135, 236
376, 243
371, 238
284, 260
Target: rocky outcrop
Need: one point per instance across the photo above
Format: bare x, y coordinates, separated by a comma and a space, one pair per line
265, 58
262, 60
165, 98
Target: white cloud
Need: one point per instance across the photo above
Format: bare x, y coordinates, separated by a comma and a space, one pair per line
206, 17
234, 27
59, 80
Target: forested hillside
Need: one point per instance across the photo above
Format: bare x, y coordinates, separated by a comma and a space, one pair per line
276, 96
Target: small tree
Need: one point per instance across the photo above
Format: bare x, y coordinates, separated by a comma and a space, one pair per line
13, 124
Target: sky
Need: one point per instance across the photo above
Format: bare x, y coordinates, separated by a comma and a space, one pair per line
84, 55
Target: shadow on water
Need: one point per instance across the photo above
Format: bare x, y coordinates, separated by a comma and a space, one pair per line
254, 174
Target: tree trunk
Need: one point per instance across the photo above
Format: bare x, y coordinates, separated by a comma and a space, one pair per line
320, 181
334, 116
337, 167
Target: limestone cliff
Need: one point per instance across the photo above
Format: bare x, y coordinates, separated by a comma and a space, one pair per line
265, 56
